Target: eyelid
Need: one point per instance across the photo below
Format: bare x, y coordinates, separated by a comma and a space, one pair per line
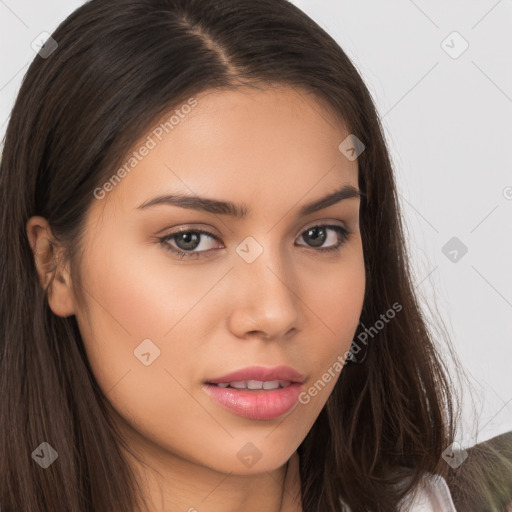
323, 222
201, 228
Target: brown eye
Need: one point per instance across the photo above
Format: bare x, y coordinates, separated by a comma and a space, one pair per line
317, 236
185, 242
189, 239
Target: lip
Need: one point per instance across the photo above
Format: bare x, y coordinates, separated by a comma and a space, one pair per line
262, 373
257, 404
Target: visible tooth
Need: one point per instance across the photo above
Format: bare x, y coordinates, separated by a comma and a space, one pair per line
255, 384
238, 384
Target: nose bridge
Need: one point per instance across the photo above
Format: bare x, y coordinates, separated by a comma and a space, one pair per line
266, 299
264, 261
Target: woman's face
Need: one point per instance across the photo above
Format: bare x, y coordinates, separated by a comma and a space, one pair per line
256, 290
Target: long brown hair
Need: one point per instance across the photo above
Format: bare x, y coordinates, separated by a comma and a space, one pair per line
118, 66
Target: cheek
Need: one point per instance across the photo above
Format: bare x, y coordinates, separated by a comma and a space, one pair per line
336, 297
134, 296
142, 293
130, 302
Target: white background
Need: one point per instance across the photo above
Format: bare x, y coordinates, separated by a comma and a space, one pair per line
448, 123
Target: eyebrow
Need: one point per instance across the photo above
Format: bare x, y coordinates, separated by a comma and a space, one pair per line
241, 211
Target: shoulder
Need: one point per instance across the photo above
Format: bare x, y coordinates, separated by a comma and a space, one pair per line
432, 495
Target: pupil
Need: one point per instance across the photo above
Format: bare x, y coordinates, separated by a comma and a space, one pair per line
318, 240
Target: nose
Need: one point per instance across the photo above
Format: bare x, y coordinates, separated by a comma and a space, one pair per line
265, 300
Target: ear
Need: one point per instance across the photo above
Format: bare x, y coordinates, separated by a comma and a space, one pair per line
53, 275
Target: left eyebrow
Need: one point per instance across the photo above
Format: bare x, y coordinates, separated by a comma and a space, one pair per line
345, 192
241, 211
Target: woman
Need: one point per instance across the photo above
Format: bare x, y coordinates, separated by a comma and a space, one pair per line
206, 296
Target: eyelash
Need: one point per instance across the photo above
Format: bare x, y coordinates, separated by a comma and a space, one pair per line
343, 232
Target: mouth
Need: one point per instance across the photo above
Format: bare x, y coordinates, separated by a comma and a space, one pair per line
259, 377
253, 385
257, 392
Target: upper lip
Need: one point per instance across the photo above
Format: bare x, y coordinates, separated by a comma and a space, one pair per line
261, 373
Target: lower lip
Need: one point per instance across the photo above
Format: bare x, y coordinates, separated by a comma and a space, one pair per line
257, 405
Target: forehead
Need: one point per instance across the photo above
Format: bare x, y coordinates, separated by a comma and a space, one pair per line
246, 145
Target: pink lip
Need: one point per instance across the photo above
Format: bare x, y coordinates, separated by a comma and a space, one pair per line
261, 373
257, 404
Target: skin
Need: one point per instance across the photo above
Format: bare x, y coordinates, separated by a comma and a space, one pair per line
272, 150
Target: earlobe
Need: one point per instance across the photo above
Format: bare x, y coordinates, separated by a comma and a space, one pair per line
60, 296
53, 275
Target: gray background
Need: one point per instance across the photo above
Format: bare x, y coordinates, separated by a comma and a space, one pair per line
447, 119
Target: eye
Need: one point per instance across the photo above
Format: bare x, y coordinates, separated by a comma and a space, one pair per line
184, 243
187, 240
318, 235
